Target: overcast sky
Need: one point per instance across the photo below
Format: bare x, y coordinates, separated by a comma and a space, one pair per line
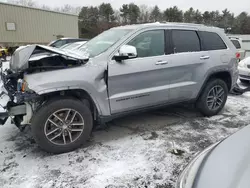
235, 6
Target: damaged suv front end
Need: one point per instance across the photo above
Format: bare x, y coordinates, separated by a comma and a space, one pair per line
16, 99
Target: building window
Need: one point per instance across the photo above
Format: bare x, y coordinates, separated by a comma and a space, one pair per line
10, 26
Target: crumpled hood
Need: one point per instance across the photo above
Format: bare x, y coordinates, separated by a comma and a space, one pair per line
228, 165
19, 60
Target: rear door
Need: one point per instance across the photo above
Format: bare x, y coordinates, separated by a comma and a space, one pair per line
219, 53
187, 66
142, 81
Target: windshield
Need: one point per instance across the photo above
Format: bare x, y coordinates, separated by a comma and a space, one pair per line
102, 42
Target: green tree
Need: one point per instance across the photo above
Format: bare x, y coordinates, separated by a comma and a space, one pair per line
93, 20
134, 13
198, 17
227, 19
189, 15
207, 18
88, 22
155, 14
125, 13
173, 14
215, 18
106, 12
130, 13
242, 24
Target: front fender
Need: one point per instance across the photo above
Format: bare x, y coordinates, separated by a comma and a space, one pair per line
91, 82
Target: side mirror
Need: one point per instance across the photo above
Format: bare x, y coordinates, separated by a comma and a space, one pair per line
126, 52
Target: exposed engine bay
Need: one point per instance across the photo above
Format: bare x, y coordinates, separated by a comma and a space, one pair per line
37, 58
30, 60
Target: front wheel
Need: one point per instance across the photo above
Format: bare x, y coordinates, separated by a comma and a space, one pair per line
213, 97
62, 125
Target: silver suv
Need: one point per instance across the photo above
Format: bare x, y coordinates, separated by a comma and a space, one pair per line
62, 93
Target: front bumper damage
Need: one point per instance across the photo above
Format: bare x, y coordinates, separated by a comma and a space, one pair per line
4, 99
15, 105
19, 102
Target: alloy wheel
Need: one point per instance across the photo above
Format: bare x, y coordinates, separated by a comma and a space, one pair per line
215, 97
64, 126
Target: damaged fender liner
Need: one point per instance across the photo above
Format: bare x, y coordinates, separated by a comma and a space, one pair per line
16, 99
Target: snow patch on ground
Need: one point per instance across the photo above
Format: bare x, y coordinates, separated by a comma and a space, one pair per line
132, 152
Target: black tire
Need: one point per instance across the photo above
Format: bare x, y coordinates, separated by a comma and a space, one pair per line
201, 103
40, 118
244, 81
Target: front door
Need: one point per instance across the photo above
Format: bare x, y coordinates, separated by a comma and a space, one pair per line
142, 81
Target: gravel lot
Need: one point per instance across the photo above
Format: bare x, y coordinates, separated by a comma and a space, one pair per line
134, 151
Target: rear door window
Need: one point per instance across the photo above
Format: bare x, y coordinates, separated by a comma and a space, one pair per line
185, 41
236, 44
211, 41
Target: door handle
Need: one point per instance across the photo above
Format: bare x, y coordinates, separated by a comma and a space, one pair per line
204, 57
161, 63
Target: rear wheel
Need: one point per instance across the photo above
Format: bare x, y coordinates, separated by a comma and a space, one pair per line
213, 97
62, 125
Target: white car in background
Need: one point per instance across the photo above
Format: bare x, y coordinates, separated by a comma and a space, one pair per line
241, 53
244, 70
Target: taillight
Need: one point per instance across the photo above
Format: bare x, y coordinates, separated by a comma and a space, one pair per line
238, 55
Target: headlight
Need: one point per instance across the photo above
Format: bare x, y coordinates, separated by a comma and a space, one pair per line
22, 85
187, 177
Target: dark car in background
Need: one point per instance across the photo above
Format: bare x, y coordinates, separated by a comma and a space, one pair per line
61, 42
222, 165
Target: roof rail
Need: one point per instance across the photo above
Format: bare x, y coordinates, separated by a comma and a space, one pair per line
182, 23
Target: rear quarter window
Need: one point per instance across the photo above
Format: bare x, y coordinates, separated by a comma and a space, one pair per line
236, 44
211, 41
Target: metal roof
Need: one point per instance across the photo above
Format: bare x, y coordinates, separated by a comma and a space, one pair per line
22, 6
